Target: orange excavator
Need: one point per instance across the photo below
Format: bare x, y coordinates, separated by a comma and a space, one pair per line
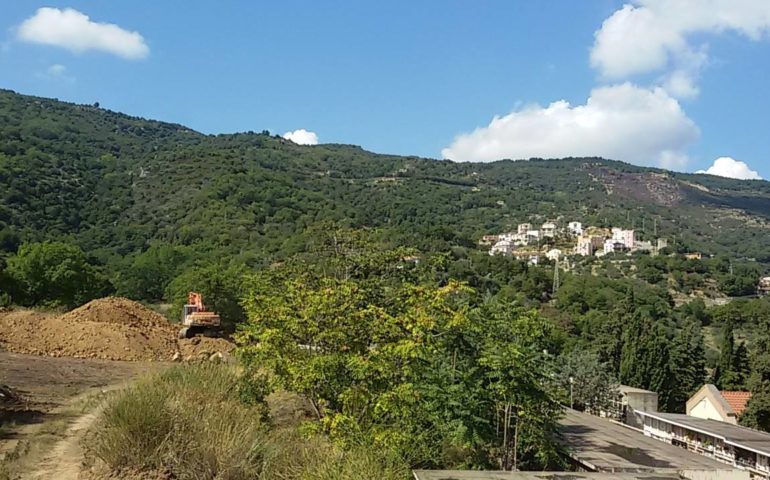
197, 320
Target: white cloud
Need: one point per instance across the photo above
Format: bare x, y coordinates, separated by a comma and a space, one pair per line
302, 137
56, 70
731, 168
624, 122
74, 31
656, 35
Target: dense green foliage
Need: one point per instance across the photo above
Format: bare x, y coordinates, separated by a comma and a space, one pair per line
435, 374
54, 274
405, 336
189, 423
145, 199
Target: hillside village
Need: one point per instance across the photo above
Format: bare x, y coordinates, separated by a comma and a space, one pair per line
555, 242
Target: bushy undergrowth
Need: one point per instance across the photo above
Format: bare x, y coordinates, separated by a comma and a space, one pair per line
188, 420
191, 422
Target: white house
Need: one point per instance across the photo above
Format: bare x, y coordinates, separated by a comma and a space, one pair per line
503, 247
554, 254
533, 236
575, 228
524, 227
711, 403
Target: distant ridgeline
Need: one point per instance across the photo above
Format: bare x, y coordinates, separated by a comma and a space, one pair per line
114, 184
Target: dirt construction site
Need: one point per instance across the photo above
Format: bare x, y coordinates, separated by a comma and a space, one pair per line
49, 362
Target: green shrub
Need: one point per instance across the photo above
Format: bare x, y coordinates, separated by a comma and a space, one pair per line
188, 421
191, 422
291, 456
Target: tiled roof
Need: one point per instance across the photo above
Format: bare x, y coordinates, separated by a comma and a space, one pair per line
736, 399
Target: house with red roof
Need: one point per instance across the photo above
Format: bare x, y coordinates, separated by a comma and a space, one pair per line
712, 404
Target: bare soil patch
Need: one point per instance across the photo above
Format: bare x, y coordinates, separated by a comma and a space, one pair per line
108, 329
202, 348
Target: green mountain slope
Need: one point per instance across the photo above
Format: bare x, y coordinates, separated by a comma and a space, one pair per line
114, 183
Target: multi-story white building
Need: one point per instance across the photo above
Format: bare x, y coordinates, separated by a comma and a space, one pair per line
626, 237
524, 228
575, 228
533, 236
548, 229
587, 245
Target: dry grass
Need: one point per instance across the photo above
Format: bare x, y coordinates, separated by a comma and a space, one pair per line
190, 423
188, 420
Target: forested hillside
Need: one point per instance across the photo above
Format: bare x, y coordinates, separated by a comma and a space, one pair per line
114, 184
373, 260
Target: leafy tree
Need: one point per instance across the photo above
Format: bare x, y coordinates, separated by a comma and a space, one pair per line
757, 413
646, 357
739, 369
150, 272
585, 381
732, 371
688, 363
6, 285
54, 273
421, 370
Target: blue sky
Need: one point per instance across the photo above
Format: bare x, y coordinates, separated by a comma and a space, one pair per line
657, 82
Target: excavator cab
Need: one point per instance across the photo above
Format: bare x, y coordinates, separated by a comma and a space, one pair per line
197, 320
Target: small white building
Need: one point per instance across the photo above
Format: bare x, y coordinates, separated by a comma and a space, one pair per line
533, 236
711, 403
524, 228
575, 228
503, 247
553, 255
612, 246
640, 246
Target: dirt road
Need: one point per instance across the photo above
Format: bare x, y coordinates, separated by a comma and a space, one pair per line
42, 436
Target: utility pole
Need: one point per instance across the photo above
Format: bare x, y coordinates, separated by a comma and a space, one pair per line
571, 392
655, 227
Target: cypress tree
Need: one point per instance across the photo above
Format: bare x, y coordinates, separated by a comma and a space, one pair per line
722, 374
688, 363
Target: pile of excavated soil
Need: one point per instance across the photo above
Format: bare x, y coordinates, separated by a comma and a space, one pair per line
108, 328
204, 347
116, 310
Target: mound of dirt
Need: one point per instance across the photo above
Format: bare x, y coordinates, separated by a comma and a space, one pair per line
118, 310
204, 347
110, 329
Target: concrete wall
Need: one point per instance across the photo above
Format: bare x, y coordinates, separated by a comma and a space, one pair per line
715, 474
646, 402
639, 401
